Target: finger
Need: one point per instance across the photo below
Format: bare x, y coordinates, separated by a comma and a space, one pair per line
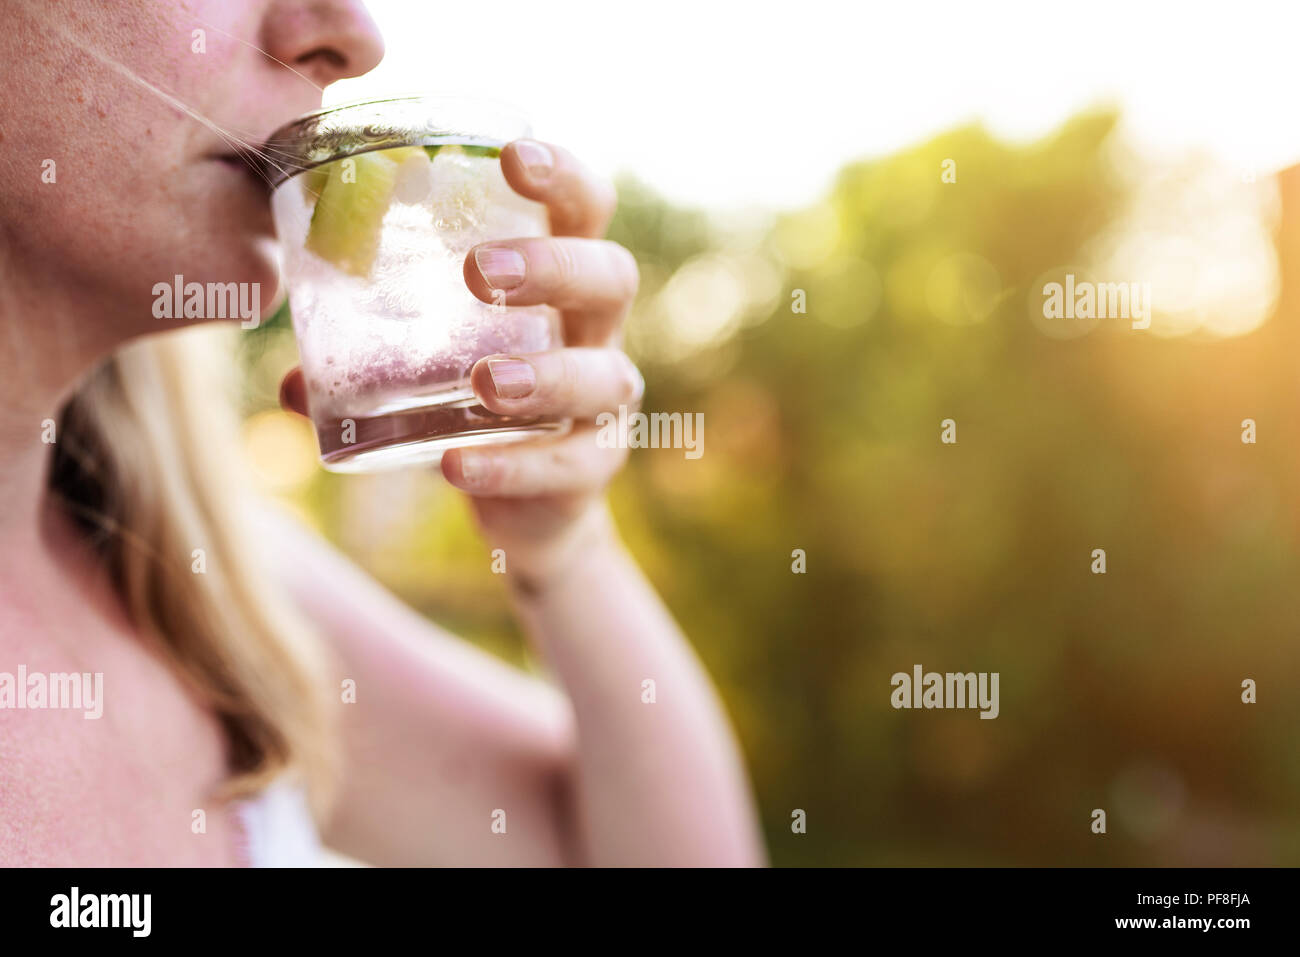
591, 281
567, 383
293, 392
577, 462
567, 273
579, 202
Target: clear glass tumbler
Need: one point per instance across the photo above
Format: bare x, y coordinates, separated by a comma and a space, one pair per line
376, 206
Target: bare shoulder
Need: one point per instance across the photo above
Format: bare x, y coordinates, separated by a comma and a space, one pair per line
104, 753
104, 759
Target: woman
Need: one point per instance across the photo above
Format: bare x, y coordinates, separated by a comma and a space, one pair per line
124, 550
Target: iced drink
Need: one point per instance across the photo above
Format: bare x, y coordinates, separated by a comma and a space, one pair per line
375, 223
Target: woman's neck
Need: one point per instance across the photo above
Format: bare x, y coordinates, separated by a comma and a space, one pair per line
46, 347
41, 362
27, 431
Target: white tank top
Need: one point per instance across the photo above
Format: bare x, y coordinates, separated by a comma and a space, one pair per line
278, 830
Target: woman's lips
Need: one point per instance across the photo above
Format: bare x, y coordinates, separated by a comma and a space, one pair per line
236, 161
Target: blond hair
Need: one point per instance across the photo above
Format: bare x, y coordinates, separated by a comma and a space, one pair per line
146, 461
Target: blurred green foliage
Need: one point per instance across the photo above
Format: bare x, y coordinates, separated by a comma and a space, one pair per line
1118, 691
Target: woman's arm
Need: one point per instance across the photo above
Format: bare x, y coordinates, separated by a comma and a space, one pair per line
442, 736
657, 777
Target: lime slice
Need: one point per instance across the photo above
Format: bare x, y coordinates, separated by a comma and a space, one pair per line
400, 154
313, 182
349, 214
491, 152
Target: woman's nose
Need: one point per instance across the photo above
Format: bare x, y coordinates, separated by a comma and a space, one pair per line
325, 40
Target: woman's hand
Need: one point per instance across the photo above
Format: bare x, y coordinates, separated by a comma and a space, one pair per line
543, 501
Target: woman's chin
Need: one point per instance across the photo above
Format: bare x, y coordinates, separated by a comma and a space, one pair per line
243, 288
259, 288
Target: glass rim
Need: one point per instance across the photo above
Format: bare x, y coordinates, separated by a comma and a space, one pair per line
377, 123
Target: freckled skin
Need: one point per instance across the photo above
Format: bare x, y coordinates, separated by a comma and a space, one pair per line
123, 215
117, 790
138, 197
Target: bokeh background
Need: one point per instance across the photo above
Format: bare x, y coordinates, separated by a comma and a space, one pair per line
1119, 691
924, 298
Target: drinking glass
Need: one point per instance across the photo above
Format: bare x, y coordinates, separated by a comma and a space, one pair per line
376, 206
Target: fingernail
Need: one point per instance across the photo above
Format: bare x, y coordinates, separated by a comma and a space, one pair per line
536, 158
473, 468
501, 266
512, 378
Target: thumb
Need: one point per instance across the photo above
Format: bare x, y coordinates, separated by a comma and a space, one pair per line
293, 392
